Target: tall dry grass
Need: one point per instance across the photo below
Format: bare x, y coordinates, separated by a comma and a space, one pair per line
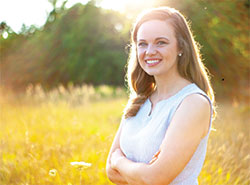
41, 133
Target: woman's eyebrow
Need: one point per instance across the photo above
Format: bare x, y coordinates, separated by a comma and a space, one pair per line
159, 38
141, 40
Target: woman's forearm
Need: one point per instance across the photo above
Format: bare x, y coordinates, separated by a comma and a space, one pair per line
115, 177
134, 173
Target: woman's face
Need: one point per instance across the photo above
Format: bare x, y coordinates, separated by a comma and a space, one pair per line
157, 48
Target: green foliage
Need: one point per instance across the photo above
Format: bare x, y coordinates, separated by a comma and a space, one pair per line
83, 45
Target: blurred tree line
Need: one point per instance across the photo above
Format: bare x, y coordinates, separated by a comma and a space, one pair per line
81, 44
87, 44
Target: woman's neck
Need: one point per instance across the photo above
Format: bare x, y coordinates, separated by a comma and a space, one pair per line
166, 87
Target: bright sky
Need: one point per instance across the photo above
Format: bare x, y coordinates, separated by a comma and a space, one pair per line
34, 12
28, 12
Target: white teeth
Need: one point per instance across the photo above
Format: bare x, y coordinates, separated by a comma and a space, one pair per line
152, 61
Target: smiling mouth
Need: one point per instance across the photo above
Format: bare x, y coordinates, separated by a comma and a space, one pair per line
152, 62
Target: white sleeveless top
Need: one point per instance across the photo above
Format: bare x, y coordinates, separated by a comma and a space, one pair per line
142, 135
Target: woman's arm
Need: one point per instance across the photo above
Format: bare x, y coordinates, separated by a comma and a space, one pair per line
113, 175
188, 126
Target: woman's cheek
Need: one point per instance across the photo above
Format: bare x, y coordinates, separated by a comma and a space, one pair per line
141, 56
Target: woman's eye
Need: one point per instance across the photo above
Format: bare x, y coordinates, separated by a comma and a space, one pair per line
142, 44
161, 43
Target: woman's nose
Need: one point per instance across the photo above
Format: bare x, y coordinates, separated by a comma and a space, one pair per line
150, 50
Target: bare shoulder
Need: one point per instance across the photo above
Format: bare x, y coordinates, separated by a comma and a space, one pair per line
194, 113
197, 101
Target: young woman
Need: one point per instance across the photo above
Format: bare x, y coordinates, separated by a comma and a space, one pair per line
163, 134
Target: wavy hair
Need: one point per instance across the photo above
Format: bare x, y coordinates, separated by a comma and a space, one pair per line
190, 66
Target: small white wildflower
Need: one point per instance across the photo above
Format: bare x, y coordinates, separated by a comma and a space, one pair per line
80, 165
53, 172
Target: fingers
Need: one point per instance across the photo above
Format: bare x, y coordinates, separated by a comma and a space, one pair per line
116, 156
115, 177
155, 157
153, 160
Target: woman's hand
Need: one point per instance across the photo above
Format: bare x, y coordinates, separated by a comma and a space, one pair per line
115, 157
155, 157
115, 177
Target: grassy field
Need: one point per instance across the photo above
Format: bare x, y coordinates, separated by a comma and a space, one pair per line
41, 133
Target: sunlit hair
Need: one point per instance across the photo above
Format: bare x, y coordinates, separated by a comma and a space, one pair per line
190, 66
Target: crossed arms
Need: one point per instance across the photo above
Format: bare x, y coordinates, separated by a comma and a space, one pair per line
188, 126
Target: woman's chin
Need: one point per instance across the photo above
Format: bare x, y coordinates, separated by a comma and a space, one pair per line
152, 73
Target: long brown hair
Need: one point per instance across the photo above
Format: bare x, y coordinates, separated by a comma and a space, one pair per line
190, 66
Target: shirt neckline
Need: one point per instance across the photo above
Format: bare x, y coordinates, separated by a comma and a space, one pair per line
149, 114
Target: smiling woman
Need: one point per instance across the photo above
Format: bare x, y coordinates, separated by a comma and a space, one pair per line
156, 46
163, 134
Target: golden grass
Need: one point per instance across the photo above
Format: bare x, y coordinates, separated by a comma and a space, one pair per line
41, 133
228, 156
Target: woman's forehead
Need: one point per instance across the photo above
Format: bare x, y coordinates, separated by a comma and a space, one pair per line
153, 29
